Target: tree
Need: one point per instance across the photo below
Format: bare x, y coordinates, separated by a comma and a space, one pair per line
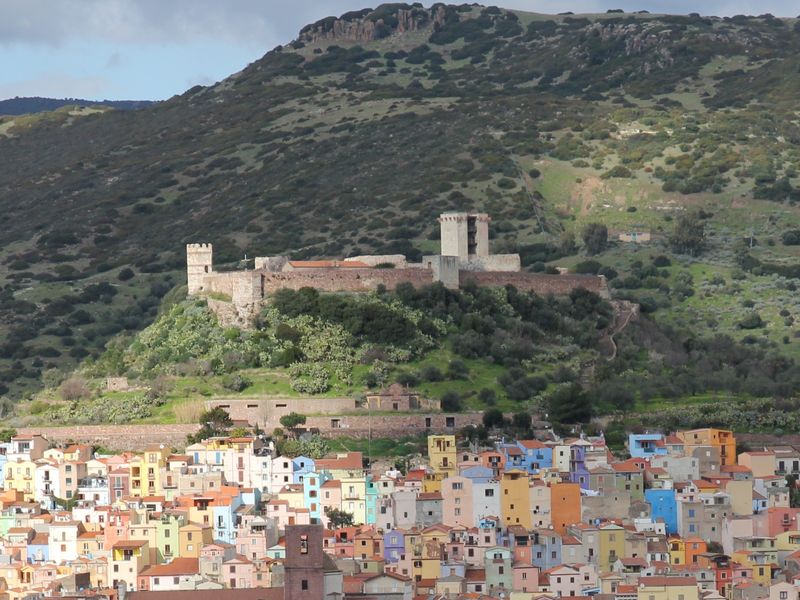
213, 422
292, 421
595, 238
570, 404
522, 420
451, 401
338, 518
689, 234
493, 418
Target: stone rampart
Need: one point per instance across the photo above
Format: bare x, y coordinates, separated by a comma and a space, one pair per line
117, 437
346, 280
557, 285
392, 426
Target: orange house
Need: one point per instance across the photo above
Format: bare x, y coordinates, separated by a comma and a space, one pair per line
694, 547
565, 505
716, 438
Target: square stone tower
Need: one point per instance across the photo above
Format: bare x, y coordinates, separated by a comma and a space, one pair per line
304, 565
199, 263
464, 235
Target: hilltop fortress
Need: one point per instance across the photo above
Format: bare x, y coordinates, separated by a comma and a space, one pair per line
236, 296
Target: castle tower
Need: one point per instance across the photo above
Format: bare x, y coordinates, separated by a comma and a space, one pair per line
464, 235
199, 263
304, 565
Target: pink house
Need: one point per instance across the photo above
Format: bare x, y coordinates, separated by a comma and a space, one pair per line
117, 528
238, 573
330, 497
773, 521
286, 515
525, 577
457, 501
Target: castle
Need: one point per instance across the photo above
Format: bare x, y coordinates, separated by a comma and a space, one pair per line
236, 296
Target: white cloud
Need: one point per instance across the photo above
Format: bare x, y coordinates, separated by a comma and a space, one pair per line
265, 23
55, 85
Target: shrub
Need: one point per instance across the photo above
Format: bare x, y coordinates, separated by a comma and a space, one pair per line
457, 369
451, 402
431, 373
236, 383
751, 321
74, 389
487, 396
493, 418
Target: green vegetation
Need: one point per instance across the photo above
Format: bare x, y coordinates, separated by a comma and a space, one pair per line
680, 126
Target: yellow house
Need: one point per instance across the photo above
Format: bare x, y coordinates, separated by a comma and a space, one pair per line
762, 464
428, 552
293, 494
146, 471
515, 507
442, 454
741, 493
611, 546
761, 561
354, 496
20, 476
788, 542
667, 588
128, 559
191, 538
716, 438
432, 482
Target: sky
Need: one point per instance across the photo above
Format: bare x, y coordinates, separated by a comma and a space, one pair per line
154, 49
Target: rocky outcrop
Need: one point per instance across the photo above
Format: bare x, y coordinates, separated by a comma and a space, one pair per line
370, 25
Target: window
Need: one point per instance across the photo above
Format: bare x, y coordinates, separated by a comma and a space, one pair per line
784, 595
304, 545
488, 493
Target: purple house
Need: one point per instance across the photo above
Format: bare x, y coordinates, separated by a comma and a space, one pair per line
394, 545
578, 473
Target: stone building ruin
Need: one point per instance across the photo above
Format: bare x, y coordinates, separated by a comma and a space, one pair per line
236, 296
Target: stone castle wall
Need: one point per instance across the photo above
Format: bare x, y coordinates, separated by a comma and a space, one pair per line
136, 438
557, 285
346, 280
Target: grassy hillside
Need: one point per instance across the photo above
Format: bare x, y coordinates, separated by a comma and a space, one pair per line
354, 137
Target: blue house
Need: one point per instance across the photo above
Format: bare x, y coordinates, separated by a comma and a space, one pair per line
528, 455
645, 445
39, 549
301, 466
545, 549
371, 503
478, 474
663, 505
394, 545
312, 483
537, 455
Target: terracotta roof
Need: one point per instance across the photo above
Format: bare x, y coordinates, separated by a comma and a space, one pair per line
328, 264
179, 566
531, 444
429, 496
223, 594
130, 544
665, 581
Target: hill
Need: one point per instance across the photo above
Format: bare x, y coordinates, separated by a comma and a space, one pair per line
31, 105
355, 136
